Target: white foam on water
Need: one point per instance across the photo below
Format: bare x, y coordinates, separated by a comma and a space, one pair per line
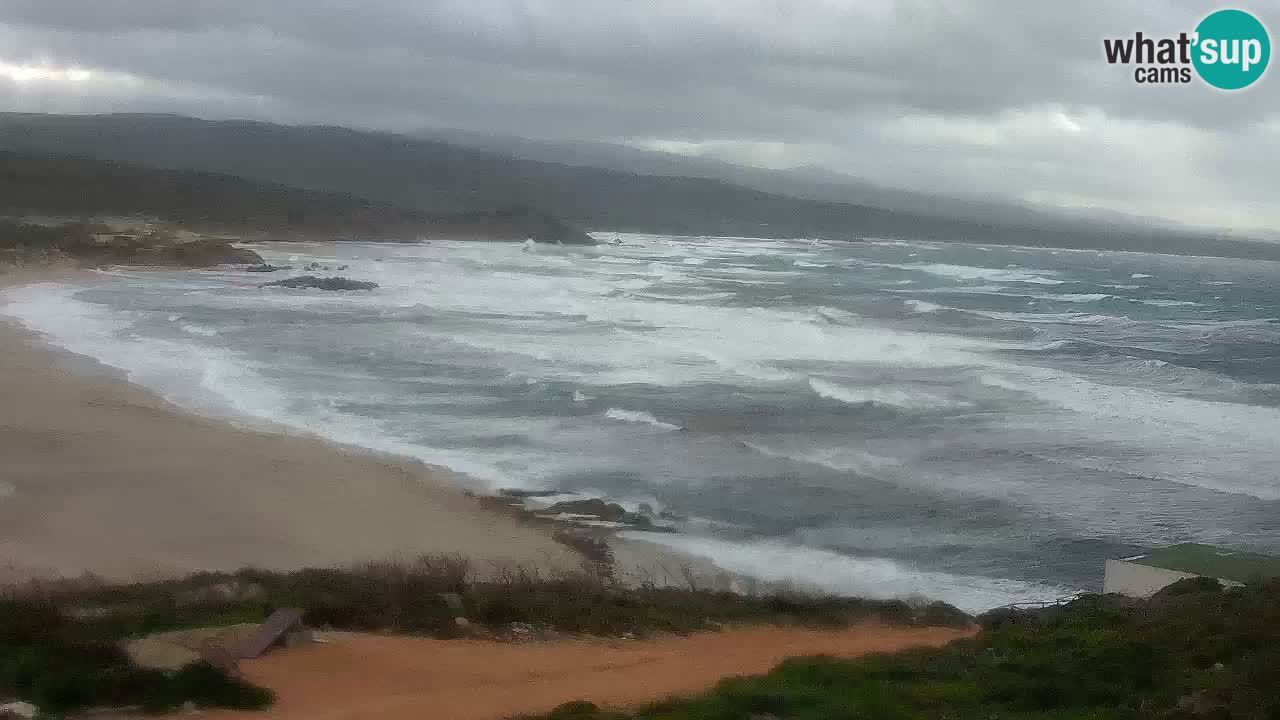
695, 297
590, 319
187, 373
1170, 303
1139, 276
901, 397
1076, 297
644, 337
776, 561
638, 416
214, 380
1224, 446
971, 272
921, 306
841, 459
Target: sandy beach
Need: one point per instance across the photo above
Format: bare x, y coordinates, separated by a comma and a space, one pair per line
100, 476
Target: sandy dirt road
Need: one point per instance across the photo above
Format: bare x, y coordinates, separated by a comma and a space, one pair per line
393, 678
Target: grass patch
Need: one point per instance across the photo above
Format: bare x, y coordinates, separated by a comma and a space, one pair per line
1195, 652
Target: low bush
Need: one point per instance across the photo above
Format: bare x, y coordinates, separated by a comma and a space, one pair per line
58, 641
1213, 654
425, 595
61, 664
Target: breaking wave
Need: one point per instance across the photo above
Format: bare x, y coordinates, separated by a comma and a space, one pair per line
636, 416
785, 563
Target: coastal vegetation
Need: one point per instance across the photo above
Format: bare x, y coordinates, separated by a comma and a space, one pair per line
1194, 651
59, 642
93, 244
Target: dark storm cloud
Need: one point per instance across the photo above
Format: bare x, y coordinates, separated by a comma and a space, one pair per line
1002, 88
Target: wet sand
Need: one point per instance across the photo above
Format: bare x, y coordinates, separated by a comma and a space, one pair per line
100, 476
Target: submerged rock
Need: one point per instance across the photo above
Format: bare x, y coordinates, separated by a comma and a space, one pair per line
607, 511
523, 493
322, 283
594, 506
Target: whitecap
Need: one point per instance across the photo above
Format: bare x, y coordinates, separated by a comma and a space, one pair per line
781, 562
972, 272
1078, 297
638, 416
903, 397
921, 306
1170, 303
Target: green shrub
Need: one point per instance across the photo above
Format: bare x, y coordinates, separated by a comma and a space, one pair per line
62, 666
208, 687
58, 642
1213, 654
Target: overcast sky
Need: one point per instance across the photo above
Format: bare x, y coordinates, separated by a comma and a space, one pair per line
1010, 98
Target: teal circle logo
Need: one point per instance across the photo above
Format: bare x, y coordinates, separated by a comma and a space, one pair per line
1232, 49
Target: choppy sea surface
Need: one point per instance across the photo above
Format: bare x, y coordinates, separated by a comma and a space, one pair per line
976, 424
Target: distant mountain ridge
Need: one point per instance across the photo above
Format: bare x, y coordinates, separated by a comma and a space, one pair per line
435, 176
806, 182
74, 187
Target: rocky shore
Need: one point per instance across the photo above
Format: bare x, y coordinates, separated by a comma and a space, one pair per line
94, 245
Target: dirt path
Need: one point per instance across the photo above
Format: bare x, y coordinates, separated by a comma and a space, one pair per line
389, 678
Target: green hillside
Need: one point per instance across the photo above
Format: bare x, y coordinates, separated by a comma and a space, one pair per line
435, 176
75, 187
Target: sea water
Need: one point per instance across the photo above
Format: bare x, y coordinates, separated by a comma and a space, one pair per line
976, 424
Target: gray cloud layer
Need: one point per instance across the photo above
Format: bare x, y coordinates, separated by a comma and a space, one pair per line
1010, 98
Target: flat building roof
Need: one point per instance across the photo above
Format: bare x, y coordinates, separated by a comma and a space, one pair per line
1211, 561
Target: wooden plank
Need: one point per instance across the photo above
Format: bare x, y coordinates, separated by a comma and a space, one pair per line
269, 633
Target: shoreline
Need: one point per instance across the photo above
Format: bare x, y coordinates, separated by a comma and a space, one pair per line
436, 491
102, 476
